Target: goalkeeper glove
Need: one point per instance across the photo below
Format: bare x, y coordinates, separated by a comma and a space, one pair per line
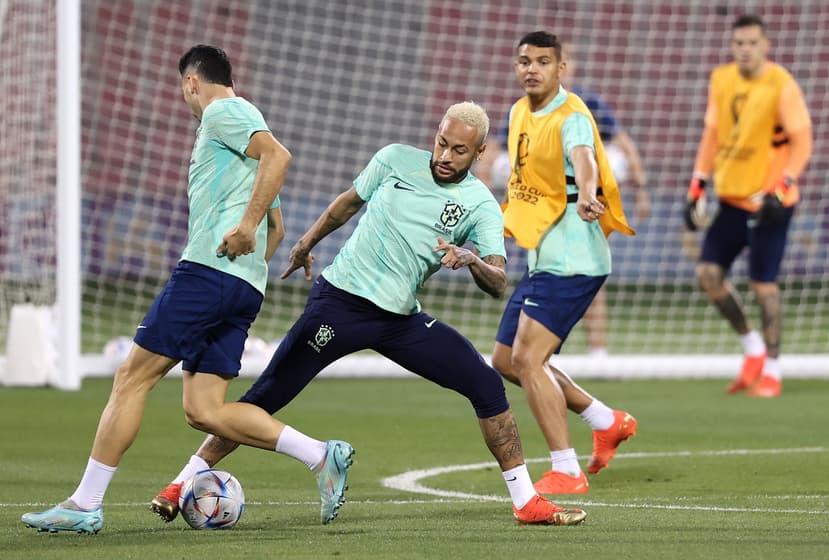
694, 214
771, 209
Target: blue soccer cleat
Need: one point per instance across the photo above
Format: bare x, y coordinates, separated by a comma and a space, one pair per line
333, 477
66, 516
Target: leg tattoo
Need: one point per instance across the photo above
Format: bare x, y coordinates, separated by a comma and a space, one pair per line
501, 436
772, 314
215, 448
732, 310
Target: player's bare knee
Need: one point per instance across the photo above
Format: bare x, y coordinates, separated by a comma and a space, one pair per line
522, 365
199, 416
709, 277
129, 382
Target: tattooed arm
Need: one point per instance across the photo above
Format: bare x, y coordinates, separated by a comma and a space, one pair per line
488, 272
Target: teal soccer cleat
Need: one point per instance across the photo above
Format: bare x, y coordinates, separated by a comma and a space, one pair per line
333, 477
66, 516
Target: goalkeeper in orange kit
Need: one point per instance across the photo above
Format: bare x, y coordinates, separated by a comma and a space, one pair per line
756, 143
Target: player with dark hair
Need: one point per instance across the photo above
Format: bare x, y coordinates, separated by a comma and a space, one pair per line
562, 202
756, 142
420, 209
201, 317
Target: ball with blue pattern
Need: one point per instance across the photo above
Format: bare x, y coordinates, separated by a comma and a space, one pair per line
212, 499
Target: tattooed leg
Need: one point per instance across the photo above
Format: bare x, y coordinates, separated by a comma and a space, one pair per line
501, 436
771, 310
215, 448
711, 279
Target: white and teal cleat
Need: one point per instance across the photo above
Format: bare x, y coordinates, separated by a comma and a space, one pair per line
66, 516
333, 478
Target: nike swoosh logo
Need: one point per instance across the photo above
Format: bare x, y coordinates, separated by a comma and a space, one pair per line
430, 323
530, 303
140, 327
397, 185
513, 479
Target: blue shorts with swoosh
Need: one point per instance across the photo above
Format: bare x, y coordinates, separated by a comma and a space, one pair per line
201, 317
336, 323
557, 302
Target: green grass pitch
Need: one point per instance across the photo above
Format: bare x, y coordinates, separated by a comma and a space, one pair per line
708, 476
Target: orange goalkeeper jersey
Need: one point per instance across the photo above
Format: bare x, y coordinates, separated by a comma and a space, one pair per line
753, 120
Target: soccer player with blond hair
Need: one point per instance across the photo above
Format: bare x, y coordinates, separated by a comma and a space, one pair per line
421, 207
756, 142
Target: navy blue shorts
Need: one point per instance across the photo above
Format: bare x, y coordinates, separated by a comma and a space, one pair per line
733, 229
201, 317
336, 323
557, 302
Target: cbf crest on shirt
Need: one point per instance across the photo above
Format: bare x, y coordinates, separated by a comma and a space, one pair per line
391, 252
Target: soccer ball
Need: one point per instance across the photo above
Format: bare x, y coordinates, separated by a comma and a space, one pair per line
212, 499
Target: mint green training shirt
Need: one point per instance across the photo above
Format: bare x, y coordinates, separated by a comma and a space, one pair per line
220, 186
391, 252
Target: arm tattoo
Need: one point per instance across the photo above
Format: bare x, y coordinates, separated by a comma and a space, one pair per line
492, 282
495, 260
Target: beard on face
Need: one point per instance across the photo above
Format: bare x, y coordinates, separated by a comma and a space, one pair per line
454, 178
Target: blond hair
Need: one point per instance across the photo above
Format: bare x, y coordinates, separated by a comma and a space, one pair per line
472, 114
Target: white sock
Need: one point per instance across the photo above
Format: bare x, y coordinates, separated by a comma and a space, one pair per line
565, 461
772, 368
598, 415
194, 465
520, 485
301, 447
90, 492
753, 344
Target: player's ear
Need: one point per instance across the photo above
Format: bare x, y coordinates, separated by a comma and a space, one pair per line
480, 151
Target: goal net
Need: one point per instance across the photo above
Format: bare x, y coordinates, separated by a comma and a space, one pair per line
338, 80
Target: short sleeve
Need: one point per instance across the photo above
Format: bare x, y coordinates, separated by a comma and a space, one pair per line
276, 203
372, 175
488, 231
233, 124
577, 130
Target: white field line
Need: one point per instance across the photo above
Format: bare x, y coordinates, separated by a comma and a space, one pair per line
410, 481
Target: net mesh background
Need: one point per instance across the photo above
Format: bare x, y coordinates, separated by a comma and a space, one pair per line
336, 82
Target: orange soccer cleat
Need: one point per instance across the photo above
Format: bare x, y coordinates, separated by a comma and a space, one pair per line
751, 370
606, 441
541, 511
557, 482
165, 505
767, 388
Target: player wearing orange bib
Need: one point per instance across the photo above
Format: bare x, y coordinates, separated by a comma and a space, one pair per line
756, 143
562, 202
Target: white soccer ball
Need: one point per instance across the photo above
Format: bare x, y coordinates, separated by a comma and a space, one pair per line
212, 499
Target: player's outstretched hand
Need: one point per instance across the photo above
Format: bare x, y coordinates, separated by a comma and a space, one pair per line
237, 242
589, 208
454, 257
300, 257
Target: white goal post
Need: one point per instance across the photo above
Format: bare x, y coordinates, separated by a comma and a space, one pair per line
93, 164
